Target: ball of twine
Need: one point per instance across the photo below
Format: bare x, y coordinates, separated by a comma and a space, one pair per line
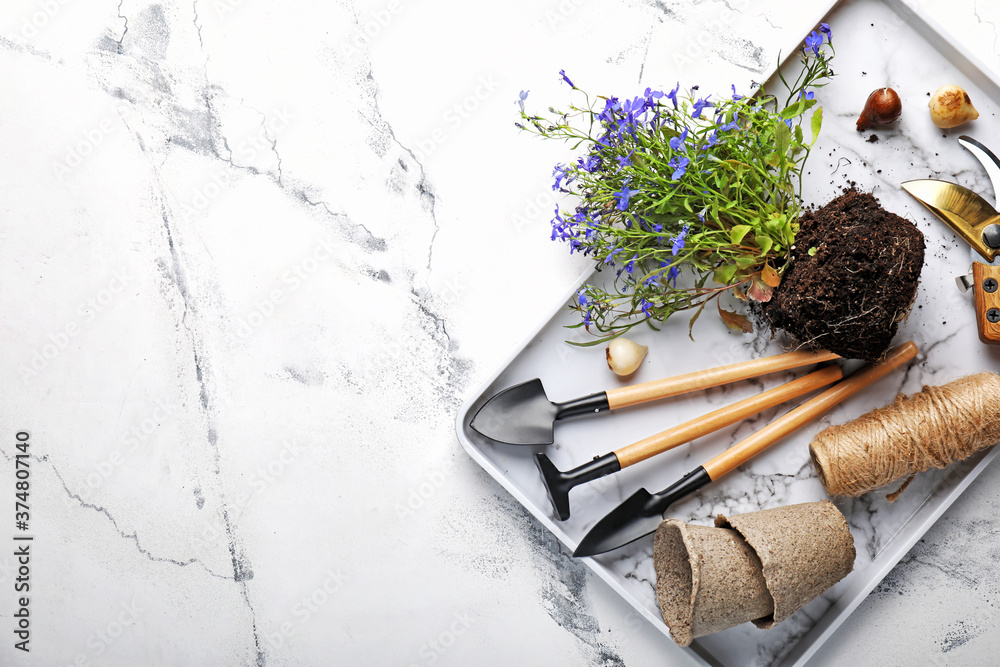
930, 429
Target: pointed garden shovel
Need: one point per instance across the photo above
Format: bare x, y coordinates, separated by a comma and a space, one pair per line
558, 483
642, 513
524, 415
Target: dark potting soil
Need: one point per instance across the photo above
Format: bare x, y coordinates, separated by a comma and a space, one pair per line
851, 293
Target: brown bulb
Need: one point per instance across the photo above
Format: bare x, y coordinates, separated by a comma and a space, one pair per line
882, 107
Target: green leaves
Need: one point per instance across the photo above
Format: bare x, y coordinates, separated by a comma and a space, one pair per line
737, 233
678, 209
765, 242
724, 274
816, 123
782, 138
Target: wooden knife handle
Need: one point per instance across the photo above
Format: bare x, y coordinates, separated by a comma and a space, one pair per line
760, 440
713, 377
723, 417
987, 299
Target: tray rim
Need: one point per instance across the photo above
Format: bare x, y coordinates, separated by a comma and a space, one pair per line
925, 518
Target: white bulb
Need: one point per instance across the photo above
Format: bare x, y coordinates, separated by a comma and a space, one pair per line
624, 356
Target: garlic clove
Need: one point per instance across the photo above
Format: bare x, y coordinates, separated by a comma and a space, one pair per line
882, 107
950, 107
624, 356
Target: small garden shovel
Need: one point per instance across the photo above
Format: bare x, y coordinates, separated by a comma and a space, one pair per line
524, 415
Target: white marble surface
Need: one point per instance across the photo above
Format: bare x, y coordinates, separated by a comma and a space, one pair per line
254, 257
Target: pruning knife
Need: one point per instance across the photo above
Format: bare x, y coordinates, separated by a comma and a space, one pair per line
977, 221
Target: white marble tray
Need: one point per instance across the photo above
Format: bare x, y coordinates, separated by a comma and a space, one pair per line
878, 42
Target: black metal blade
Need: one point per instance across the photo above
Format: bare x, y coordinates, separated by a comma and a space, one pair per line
638, 516
524, 415
633, 519
518, 415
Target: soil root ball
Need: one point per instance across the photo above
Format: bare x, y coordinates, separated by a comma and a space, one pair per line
852, 277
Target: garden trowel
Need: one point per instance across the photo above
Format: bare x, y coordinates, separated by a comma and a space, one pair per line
524, 415
977, 221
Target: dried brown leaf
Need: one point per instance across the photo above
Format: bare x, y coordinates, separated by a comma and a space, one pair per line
735, 321
770, 276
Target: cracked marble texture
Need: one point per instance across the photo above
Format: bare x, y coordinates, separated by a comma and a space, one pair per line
254, 257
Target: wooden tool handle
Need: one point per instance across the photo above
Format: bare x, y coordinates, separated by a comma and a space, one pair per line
713, 377
749, 447
713, 421
987, 300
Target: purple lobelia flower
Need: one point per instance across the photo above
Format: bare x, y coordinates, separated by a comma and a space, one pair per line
623, 196
679, 165
560, 172
699, 105
679, 241
589, 164
672, 95
522, 96
825, 29
678, 142
713, 139
647, 308
813, 41
630, 266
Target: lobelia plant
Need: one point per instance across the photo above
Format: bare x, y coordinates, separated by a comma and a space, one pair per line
670, 183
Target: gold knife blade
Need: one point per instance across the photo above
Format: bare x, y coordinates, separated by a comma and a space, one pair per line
971, 216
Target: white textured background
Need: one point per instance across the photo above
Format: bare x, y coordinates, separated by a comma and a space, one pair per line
255, 254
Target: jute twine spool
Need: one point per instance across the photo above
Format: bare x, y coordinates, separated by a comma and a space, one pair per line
929, 429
